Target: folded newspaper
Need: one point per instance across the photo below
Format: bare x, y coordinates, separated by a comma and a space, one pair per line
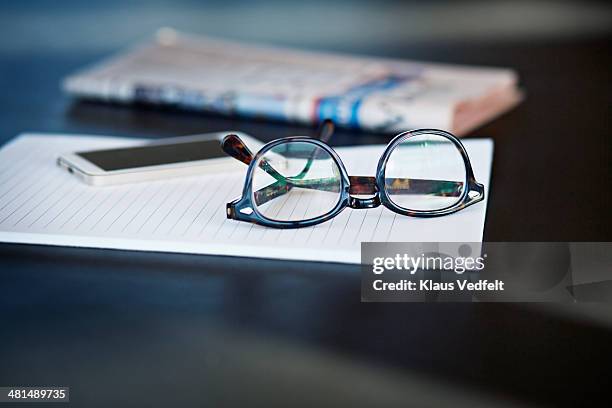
385, 95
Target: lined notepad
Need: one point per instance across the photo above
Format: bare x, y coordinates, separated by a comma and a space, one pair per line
43, 204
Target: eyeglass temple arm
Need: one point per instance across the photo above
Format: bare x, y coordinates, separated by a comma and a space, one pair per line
443, 188
235, 147
325, 132
281, 187
362, 185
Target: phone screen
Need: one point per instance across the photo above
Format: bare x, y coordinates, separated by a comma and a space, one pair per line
153, 155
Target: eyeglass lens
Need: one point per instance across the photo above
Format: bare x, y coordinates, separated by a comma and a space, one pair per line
425, 172
296, 181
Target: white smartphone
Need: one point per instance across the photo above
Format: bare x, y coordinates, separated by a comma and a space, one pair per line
161, 159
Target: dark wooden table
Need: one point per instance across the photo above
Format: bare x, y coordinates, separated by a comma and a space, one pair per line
182, 330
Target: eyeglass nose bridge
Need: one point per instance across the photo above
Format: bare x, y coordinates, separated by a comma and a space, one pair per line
363, 185
364, 203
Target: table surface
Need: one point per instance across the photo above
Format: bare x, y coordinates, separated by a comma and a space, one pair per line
180, 329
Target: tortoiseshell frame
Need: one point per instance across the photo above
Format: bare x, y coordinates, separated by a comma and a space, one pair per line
243, 209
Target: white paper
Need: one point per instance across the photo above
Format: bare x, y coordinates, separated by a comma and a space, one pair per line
41, 203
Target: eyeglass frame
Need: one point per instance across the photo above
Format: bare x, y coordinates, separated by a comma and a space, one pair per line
242, 209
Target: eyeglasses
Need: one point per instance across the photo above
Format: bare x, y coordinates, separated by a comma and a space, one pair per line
297, 182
